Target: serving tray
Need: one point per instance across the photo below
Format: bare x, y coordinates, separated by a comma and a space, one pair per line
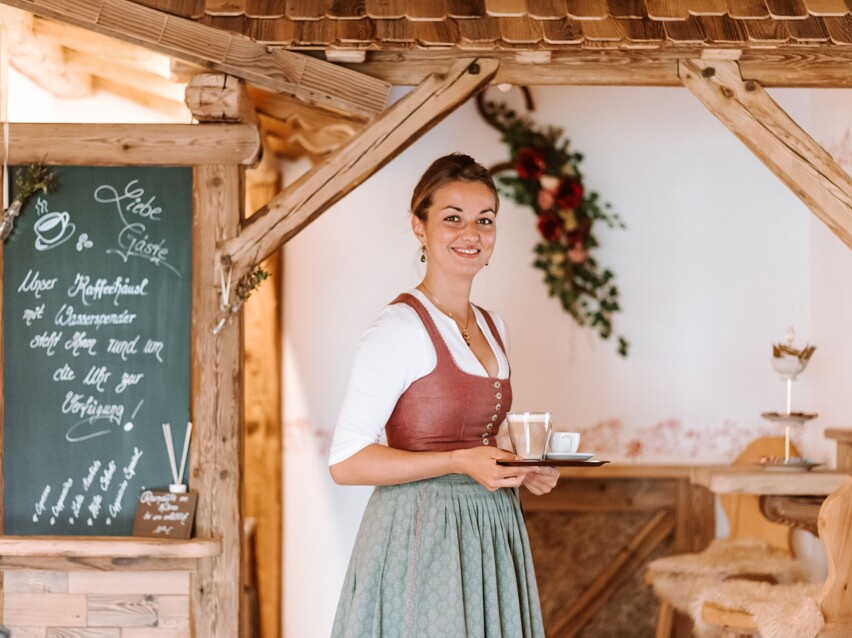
553, 463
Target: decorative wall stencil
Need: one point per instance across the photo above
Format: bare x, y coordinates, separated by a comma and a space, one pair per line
671, 440
302, 435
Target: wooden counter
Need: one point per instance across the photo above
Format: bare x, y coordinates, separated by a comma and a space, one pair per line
594, 581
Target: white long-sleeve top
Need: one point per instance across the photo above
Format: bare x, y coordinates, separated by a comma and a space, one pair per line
394, 352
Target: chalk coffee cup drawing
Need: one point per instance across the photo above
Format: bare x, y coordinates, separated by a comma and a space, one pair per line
52, 229
564, 442
529, 433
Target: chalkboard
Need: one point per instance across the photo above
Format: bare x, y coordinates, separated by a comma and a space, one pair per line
97, 294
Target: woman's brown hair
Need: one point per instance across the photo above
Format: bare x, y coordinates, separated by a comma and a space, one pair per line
455, 167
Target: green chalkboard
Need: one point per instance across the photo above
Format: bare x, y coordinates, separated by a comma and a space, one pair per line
97, 294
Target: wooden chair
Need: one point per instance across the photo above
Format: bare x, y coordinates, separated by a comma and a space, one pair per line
747, 523
834, 598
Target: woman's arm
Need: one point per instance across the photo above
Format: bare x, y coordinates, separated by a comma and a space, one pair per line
382, 465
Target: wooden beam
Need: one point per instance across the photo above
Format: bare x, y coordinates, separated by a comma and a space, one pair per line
40, 59
129, 145
310, 79
789, 152
776, 67
103, 67
284, 107
116, 51
174, 110
216, 448
217, 97
629, 558
392, 132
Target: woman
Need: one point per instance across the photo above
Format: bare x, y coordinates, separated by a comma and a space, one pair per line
442, 549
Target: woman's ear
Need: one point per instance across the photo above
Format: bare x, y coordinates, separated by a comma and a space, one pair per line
419, 230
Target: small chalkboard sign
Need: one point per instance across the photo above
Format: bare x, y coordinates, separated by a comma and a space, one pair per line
165, 514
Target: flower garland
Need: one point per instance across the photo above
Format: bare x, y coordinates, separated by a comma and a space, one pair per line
548, 180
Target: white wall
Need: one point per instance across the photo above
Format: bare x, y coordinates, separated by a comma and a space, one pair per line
718, 259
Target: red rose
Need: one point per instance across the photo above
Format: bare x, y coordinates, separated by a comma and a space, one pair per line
570, 193
549, 226
529, 163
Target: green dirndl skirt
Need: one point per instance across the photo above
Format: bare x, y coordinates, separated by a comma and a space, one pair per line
441, 558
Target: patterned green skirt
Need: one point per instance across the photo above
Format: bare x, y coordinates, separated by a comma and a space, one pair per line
442, 558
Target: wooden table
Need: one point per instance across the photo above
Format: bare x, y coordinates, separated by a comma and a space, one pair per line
792, 498
728, 479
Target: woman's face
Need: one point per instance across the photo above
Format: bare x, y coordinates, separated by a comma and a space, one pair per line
460, 228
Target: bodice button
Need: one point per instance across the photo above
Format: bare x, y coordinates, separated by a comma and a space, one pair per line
496, 384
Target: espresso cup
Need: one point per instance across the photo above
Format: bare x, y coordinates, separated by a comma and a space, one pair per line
529, 433
50, 227
564, 442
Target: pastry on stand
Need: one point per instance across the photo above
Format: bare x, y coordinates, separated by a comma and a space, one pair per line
789, 362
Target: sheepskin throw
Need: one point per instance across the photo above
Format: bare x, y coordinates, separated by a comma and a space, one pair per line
779, 611
681, 578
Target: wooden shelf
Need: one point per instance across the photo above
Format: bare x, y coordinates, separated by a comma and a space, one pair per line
104, 552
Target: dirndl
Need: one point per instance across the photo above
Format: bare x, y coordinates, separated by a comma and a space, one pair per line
442, 558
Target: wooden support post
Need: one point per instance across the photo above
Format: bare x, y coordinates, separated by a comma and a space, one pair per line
571, 622
392, 132
307, 78
216, 449
263, 482
789, 152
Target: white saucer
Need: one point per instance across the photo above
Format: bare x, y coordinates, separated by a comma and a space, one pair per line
570, 456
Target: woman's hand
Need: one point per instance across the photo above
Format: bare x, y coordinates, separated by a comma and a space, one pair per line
480, 463
540, 480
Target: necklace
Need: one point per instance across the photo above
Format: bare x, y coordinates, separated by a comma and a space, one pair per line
464, 331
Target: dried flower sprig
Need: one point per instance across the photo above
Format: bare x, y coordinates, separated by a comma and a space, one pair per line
247, 284
36, 177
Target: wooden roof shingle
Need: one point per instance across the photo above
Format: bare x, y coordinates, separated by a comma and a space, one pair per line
524, 24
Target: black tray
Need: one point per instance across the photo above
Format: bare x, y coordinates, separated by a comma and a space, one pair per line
554, 463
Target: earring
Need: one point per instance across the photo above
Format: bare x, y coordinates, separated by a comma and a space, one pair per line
422, 253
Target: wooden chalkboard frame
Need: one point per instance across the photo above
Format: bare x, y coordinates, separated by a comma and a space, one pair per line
219, 154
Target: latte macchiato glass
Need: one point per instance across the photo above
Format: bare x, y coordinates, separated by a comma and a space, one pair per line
529, 433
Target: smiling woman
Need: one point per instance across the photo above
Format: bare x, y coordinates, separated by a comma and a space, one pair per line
442, 548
